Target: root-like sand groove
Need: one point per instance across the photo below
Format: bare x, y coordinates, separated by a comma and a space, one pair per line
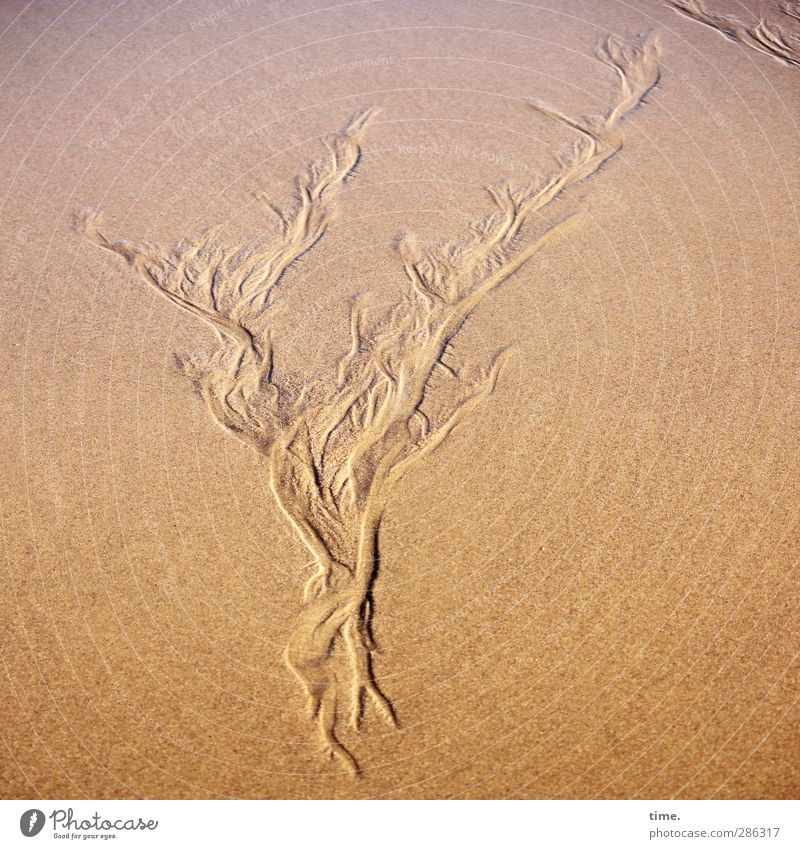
336, 447
767, 37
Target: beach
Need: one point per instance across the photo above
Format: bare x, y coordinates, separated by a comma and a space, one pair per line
582, 535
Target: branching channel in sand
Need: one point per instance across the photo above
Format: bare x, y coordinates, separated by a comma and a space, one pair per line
337, 446
767, 37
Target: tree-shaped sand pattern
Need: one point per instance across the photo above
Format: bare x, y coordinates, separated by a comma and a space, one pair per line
336, 446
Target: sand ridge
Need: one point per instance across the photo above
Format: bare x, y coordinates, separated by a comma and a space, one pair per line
586, 566
767, 37
336, 448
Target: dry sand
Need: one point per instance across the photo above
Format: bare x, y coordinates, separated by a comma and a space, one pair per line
588, 589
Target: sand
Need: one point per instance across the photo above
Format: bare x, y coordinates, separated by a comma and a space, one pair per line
458, 459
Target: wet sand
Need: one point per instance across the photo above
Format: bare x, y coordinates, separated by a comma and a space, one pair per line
583, 583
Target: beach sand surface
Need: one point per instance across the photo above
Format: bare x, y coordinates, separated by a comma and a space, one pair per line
589, 590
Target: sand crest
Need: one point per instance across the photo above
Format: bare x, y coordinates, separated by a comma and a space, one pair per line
498, 304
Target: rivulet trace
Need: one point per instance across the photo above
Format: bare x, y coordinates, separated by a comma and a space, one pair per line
336, 446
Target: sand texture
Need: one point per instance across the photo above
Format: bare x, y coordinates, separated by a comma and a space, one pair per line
401, 399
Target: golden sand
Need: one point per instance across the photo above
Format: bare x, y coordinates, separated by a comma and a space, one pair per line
439, 437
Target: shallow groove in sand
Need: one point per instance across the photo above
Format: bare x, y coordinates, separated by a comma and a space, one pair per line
337, 446
767, 37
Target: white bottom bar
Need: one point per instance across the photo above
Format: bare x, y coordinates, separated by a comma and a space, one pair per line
388, 824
